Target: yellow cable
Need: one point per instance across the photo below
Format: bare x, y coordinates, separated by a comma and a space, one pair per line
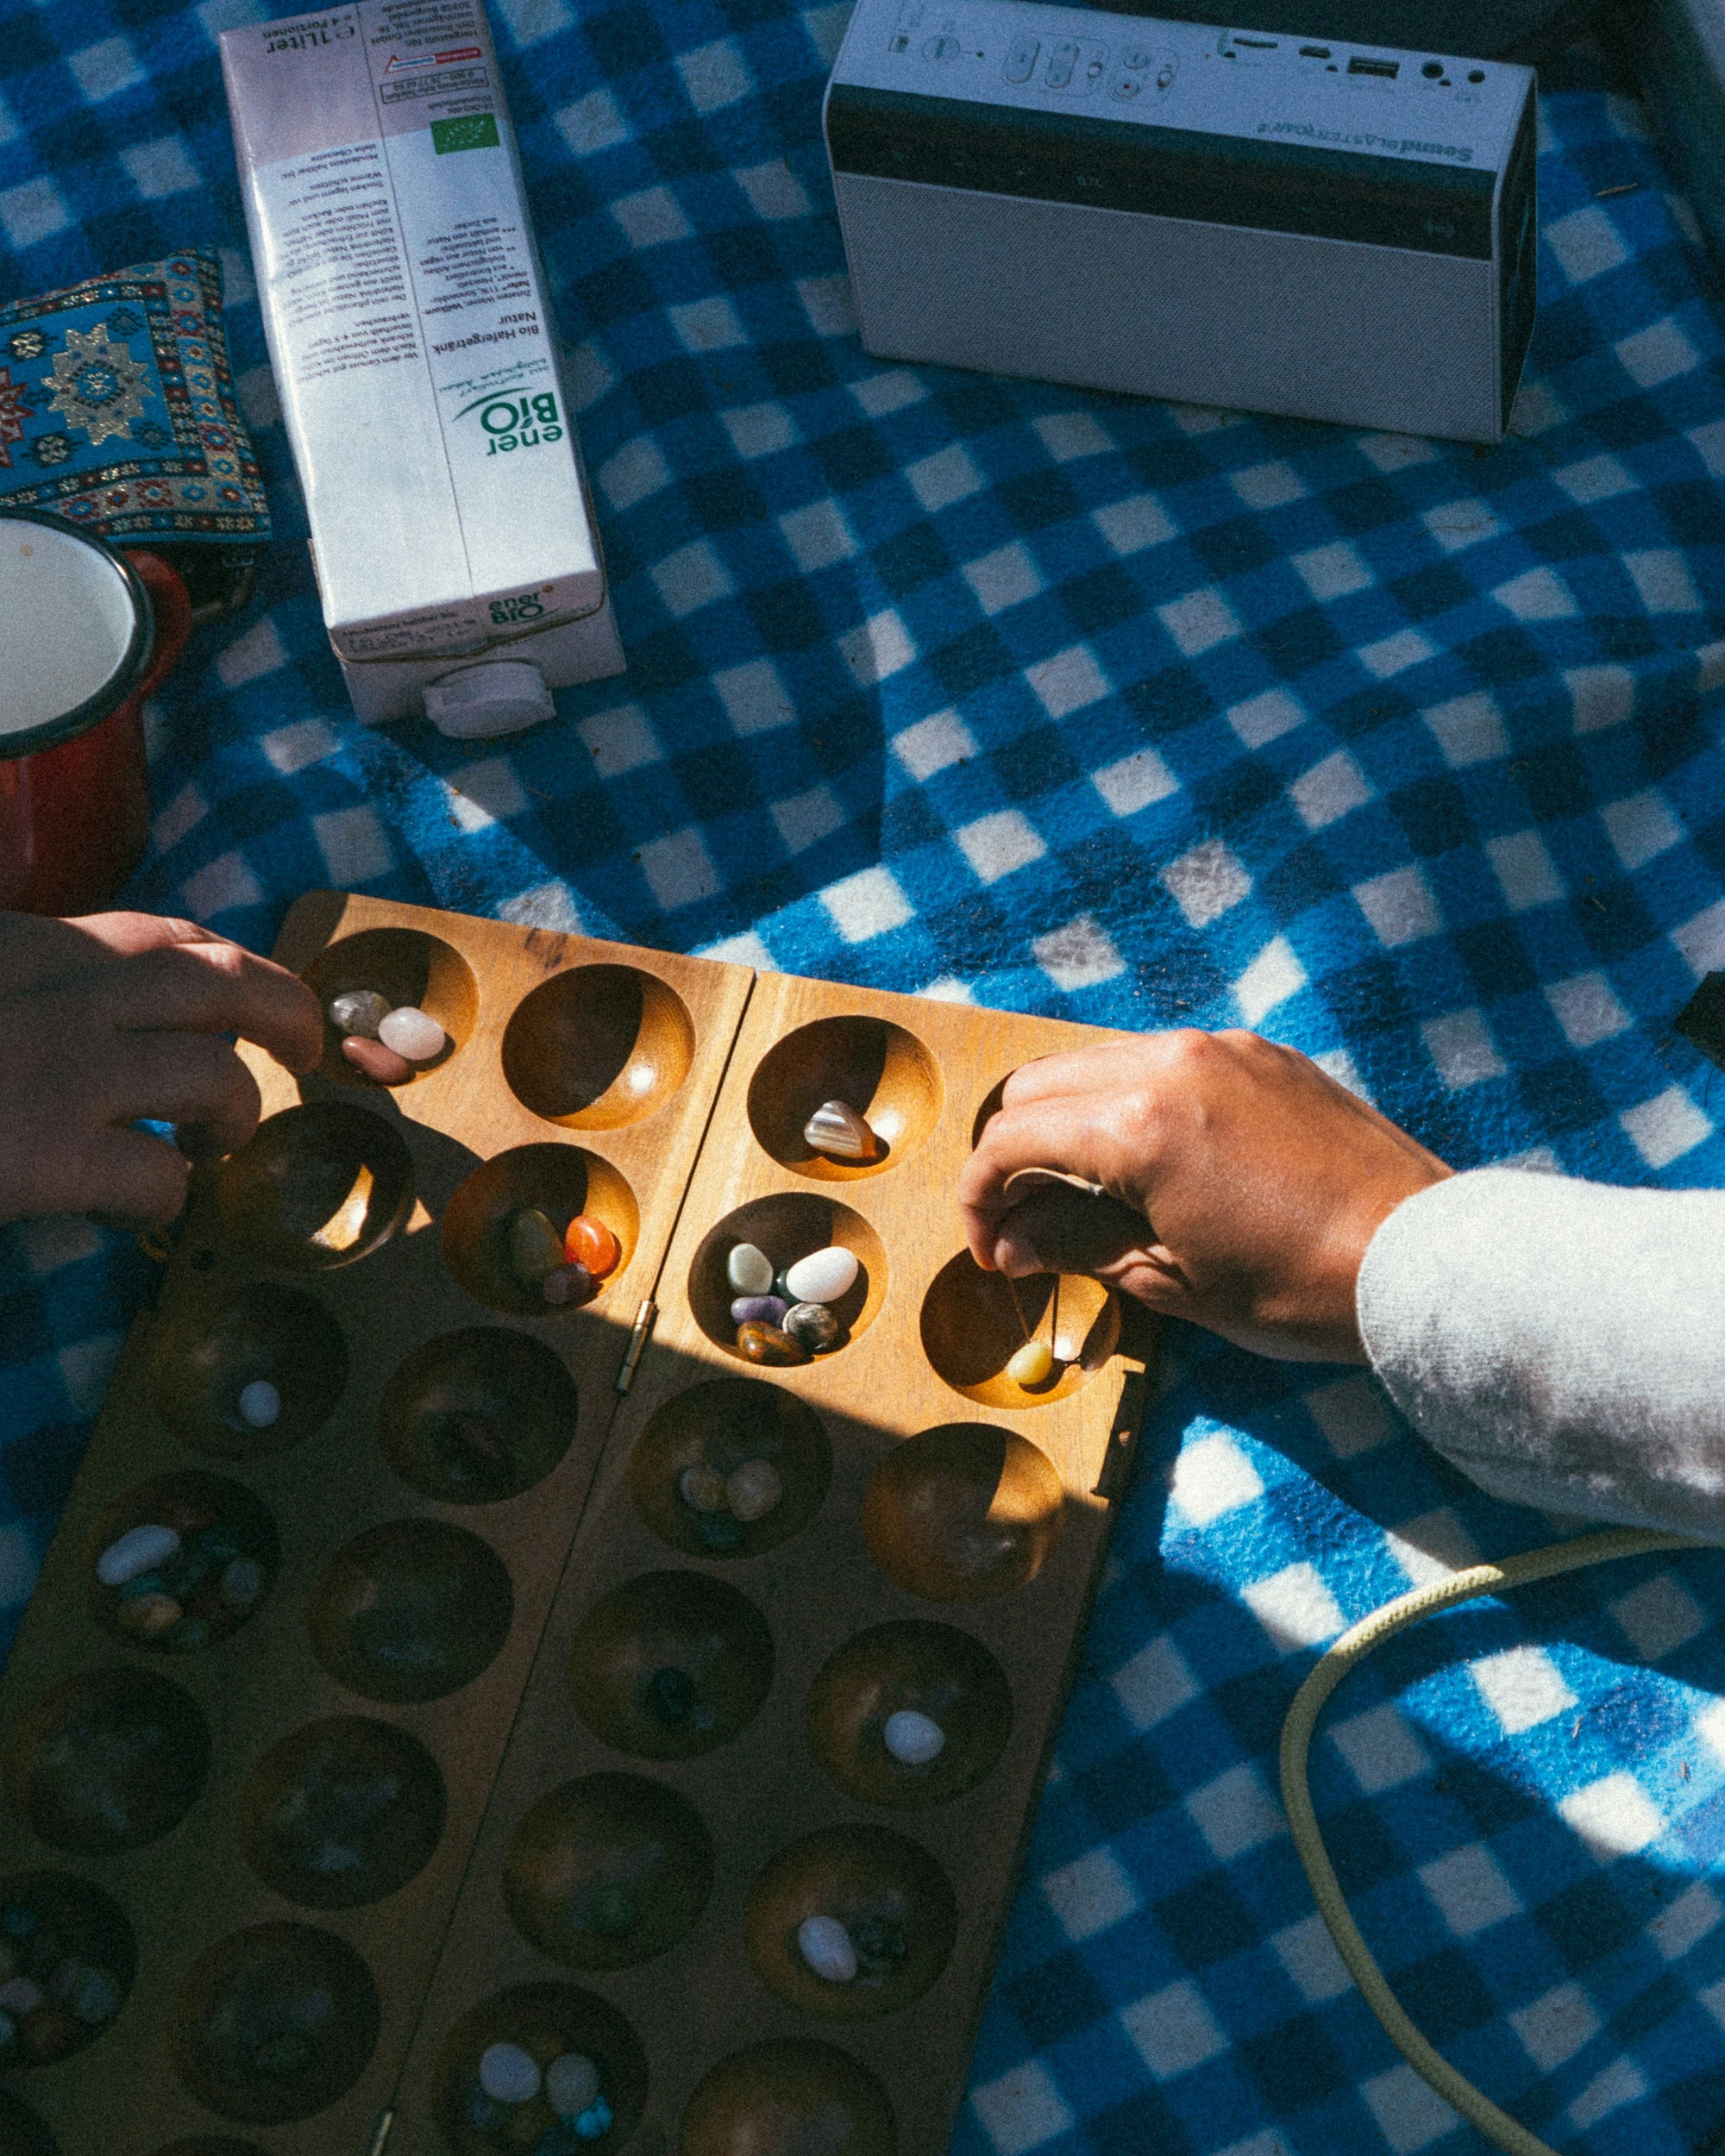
1355, 1643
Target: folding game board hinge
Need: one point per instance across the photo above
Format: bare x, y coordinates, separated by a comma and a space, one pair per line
1128, 1414
638, 1342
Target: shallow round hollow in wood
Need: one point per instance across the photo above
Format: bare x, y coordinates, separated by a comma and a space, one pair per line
964, 1514
23, 2134
189, 1503
212, 1350
891, 1896
787, 1227
872, 1066
722, 1425
598, 1047
974, 1323
87, 1926
607, 1871
560, 1180
317, 1186
405, 966
109, 1759
670, 1664
410, 1611
274, 2024
788, 2099
476, 1416
921, 1668
546, 2021
341, 1812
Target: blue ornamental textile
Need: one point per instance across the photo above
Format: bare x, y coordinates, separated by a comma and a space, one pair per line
1403, 753
117, 408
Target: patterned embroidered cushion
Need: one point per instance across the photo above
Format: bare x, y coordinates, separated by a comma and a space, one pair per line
117, 411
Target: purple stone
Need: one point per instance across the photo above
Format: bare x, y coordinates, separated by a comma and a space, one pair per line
758, 1310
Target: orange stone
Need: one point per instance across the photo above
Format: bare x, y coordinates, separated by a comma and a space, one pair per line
588, 1242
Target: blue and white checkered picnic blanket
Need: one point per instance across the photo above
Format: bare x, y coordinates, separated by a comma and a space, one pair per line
1401, 752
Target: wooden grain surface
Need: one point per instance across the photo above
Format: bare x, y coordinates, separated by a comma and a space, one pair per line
932, 1068
119, 2096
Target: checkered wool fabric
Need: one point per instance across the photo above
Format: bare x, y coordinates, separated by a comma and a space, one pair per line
1403, 753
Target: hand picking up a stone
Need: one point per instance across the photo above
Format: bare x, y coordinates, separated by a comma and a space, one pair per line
112, 1019
1264, 1179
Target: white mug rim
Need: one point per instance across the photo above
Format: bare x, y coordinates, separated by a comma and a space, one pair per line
65, 726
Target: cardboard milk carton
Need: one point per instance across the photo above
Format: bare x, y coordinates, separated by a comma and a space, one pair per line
417, 362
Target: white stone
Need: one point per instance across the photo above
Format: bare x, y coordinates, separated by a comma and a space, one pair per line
836, 1129
411, 1033
360, 1012
571, 2083
913, 1739
823, 1276
753, 1489
260, 1404
826, 1945
508, 2074
748, 1271
139, 1550
702, 1488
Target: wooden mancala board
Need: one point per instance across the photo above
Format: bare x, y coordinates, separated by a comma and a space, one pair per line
522, 1749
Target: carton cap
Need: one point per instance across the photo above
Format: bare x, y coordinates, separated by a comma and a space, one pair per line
501, 698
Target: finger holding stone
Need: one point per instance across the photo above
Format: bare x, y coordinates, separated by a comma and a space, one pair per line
125, 935
131, 1178
219, 988
1075, 1134
185, 1078
1062, 1232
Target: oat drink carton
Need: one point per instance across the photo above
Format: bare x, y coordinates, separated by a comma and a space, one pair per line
417, 362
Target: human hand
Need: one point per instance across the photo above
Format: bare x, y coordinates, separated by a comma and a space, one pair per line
116, 1017
1264, 1178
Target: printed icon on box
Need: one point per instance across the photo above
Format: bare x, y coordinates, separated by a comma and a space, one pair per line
456, 56
475, 131
509, 422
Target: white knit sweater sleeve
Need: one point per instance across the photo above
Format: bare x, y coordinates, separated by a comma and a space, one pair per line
1562, 1342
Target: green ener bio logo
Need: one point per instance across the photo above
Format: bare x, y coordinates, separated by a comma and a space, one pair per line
522, 606
474, 131
515, 423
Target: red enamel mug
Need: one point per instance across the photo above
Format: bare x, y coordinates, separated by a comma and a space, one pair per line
86, 633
